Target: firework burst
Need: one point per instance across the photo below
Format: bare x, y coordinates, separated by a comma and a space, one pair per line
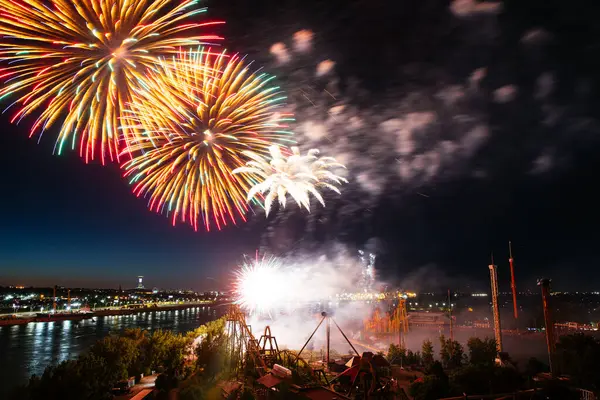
199, 113
260, 285
81, 58
295, 174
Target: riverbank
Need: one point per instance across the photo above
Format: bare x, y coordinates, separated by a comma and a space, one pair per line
28, 349
25, 318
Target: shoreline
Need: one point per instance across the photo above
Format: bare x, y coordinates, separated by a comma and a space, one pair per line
104, 313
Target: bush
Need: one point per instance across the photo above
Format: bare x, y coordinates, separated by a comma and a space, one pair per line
429, 388
92, 375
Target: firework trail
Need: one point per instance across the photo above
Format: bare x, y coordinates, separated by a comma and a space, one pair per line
200, 112
79, 60
295, 174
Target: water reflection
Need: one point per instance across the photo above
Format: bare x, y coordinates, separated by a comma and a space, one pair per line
28, 349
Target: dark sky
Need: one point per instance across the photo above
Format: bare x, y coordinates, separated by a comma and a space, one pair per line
65, 222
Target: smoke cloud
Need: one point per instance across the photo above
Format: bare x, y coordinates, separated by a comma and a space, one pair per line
312, 285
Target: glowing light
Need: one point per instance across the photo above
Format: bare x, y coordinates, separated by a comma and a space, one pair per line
260, 285
200, 112
294, 174
80, 59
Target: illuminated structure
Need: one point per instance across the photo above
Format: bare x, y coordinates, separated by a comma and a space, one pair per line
390, 323
428, 319
140, 284
513, 285
496, 311
550, 341
54, 299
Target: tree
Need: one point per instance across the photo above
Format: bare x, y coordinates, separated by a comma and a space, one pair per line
93, 374
472, 379
120, 353
444, 351
139, 337
482, 352
433, 386
451, 353
88, 377
413, 358
506, 379
427, 353
210, 352
534, 367
396, 354
577, 355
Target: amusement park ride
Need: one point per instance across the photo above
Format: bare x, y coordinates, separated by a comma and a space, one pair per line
277, 372
394, 323
363, 377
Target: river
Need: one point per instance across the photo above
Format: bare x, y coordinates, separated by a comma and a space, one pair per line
29, 349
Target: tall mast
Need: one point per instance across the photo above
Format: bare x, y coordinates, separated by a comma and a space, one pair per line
54, 299
495, 308
550, 341
328, 333
513, 285
450, 315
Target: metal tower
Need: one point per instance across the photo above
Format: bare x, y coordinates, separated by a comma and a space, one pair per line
496, 310
513, 285
400, 322
54, 299
450, 317
550, 341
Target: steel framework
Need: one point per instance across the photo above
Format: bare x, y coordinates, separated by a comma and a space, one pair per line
391, 323
328, 319
243, 349
268, 348
496, 310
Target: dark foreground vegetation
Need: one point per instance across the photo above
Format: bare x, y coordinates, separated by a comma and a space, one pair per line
117, 357
476, 371
195, 362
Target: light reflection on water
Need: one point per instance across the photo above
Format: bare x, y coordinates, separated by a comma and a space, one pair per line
28, 349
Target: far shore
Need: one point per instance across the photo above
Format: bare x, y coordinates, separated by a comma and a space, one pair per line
27, 317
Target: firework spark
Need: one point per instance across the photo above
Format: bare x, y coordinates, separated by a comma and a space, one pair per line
81, 58
260, 285
200, 112
295, 174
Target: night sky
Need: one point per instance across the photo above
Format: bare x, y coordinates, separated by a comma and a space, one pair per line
532, 182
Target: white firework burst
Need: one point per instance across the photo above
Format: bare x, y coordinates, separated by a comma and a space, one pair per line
296, 174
